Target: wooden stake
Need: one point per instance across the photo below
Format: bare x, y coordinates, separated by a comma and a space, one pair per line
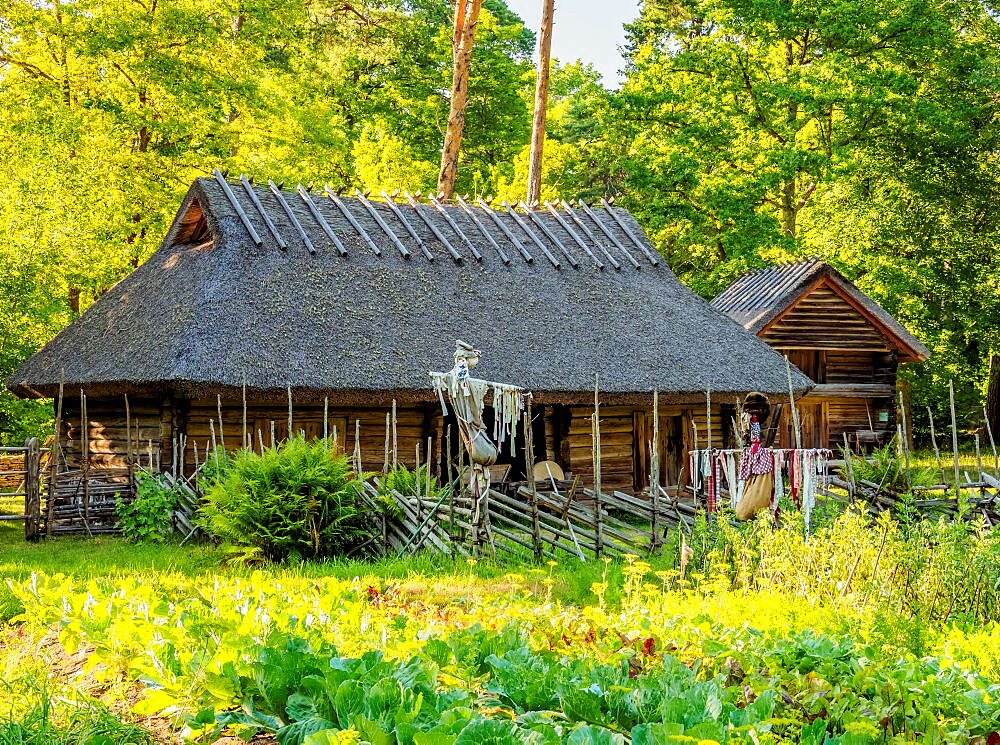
466, 21
55, 455
849, 467
215, 444
357, 446
260, 440
541, 104
993, 444
529, 472
222, 434
427, 468
274, 441
395, 461
416, 481
290, 429
954, 432
708, 417
326, 417
85, 455
695, 477
791, 401
32, 489
904, 441
247, 439
979, 459
385, 463
599, 529
654, 476
937, 451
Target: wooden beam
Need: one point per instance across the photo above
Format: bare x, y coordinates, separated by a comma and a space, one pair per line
541, 104
850, 390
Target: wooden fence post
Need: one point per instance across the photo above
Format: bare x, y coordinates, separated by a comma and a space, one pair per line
596, 426
32, 489
85, 458
54, 455
954, 434
904, 435
529, 472
654, 477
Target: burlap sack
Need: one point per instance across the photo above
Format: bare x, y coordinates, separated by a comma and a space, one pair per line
756, 496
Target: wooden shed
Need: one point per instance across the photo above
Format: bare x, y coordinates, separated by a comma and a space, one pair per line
848, 345
345, 304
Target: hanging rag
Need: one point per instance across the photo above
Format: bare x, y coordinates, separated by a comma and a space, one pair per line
779, 479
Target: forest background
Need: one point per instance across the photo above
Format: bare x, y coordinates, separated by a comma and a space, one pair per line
745, 133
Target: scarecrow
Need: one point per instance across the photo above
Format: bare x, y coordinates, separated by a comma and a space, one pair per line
757, 461
468, 400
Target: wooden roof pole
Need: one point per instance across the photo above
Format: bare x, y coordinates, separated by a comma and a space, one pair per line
541, 104
466, 20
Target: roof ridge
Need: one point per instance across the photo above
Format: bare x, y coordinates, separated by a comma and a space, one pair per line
412, 225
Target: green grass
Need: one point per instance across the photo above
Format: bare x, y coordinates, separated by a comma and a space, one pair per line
11, 506
45, 721
104, 556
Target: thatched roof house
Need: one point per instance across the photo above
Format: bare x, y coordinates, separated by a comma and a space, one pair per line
846, 342
357, 300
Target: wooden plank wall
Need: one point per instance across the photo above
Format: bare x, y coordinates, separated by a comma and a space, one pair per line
822, 319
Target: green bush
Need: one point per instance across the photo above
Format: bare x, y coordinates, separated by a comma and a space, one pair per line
403, 481
147, 518
300, 499
887, 469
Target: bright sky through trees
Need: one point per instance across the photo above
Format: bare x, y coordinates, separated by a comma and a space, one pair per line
589, 30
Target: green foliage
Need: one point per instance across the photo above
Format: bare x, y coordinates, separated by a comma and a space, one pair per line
886, 468
150, 96
148, 518
300, 499
553, 675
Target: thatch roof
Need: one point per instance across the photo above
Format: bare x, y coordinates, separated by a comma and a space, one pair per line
221, 302
758, 298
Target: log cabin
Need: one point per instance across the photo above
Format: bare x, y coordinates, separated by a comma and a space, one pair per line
262, 297
847, 344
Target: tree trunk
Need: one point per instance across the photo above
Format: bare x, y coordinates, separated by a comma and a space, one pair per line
541, 104
466, 20
993, 396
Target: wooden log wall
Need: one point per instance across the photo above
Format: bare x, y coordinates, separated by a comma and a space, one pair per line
626, 432
617, 443
107, 439
414, 424
11, 472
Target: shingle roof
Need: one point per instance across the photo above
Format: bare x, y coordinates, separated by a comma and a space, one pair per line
756, 299
341, 308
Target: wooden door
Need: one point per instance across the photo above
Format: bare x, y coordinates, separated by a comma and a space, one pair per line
813, 422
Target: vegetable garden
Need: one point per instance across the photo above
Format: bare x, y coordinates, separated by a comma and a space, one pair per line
862, 634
